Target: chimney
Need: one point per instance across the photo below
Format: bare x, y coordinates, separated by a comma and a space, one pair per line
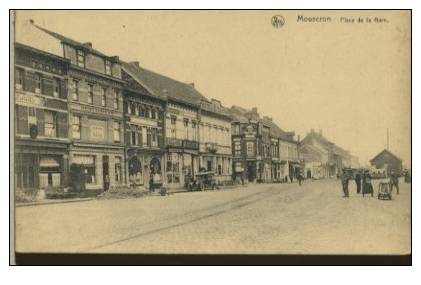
267, 118
88, 44
254, 110
191, 84
115, 58
136, 63
216, 102
32, 21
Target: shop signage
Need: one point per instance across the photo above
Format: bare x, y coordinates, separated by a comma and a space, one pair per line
95, 110
142, 121
28, 100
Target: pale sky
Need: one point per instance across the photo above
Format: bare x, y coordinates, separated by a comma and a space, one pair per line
350, 80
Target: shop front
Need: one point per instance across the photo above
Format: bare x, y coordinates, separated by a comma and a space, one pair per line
144, 164
102, 167
40, 166
180, 164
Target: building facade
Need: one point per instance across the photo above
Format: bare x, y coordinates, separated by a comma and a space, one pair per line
144, 120
388, 161
95, 102
215, 140
41, 119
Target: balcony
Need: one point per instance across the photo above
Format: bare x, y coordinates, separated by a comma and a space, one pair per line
211, 147
187, 144
179, 143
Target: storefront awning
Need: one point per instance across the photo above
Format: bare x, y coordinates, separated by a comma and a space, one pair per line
48, 162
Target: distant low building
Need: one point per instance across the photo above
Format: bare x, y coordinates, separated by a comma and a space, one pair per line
387, 160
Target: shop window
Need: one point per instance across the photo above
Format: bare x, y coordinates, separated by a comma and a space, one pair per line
118, 170
50, 123
90, 94
76, 127
75, 94
80, 58
19, 75
57, 84
116, 131
107, 67
173, 168
103, 97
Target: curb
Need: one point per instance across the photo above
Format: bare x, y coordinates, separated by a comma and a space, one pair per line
53, 202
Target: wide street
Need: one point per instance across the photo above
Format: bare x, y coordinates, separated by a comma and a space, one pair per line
264, 218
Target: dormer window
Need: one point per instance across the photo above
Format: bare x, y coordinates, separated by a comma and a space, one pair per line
80, 58
107, 67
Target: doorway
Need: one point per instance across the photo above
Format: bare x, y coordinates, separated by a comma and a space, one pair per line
105, 172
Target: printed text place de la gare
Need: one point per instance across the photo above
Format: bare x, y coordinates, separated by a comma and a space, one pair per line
313, 19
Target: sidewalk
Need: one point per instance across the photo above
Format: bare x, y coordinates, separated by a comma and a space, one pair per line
53, 201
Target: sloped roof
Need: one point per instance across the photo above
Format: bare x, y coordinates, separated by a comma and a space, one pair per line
164, 86
326, 143
383, 152
71, 41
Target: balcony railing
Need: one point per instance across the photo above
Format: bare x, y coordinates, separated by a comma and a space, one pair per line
190, 144
173, 142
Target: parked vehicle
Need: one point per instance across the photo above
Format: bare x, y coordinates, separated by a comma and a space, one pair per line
202, 181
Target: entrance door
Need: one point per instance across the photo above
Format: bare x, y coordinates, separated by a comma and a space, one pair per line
105, 172
308, 173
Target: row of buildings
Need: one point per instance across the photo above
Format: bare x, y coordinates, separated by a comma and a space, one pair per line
121, 123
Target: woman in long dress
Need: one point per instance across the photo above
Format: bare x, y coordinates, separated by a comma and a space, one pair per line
367, 186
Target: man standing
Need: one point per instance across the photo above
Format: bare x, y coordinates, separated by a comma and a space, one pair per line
358, 182
394, 181
300, 178
345, 180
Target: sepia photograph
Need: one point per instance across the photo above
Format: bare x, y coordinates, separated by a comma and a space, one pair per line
253, 134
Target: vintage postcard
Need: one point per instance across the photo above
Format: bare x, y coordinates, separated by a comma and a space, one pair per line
267, 132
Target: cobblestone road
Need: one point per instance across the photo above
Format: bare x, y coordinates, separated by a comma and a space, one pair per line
266, 218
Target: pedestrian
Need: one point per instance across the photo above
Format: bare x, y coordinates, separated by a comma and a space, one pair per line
394, 181
291, 178
300, 178
106, 182
151, 183
358, 182
367, 186
345, 180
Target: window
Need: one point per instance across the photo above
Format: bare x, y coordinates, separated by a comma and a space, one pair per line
19, 74
32, 119
134, 138
193, 127
37, 83
147, 112
132, 109
153, 113
50, 123
154, 138
76, 126
90, 94
75, 95
56, 83
107, 67
136, 110
186, 128
80, 58
116, 106
118, 170
173, 126
250, 150
141, 111
173, 168
103, 97
116, 131
237, 148
129, 108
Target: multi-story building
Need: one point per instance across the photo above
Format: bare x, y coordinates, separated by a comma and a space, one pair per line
144, 128
41, 119
215, 139
94, 85
180, 123
262, 151
326, 158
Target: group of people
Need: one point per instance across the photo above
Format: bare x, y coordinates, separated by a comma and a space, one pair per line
365, 178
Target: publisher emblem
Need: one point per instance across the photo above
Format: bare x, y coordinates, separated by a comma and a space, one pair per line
278, 21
